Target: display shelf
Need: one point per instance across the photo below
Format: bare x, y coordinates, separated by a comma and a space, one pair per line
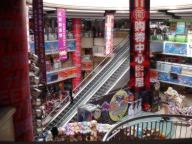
171, 54
177, 64
179, 84
52, 53
174, 73
61, 79
61, 69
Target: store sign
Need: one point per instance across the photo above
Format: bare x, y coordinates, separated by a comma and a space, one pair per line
139, 41
39, 37
62, 44
109, 22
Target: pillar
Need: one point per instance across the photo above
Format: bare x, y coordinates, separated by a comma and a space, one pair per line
139, 46
76, 56
14, 79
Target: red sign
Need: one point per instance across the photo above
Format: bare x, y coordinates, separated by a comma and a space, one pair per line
109, 22
139, 45
76, 55
39, 37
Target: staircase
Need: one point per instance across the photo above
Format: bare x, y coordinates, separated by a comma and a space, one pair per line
99, 84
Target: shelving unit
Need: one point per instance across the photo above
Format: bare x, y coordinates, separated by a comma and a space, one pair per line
173, 72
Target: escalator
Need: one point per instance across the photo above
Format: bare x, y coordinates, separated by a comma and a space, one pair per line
98, 85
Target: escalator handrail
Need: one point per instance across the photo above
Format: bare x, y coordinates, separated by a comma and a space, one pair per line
92, 72
76, 104
76, 95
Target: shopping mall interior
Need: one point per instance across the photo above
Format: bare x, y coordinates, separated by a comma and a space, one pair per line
94, 70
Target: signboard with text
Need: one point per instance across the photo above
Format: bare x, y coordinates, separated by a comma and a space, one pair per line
39, 37
61, 21
139, 45
109, 22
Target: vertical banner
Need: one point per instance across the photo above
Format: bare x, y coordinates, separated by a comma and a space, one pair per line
61, 21
139, 45
109, 24
39, 37
76, 24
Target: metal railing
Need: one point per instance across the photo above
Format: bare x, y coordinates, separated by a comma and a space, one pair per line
159, 126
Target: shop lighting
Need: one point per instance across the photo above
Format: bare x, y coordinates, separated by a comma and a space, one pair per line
85, 11
181, 10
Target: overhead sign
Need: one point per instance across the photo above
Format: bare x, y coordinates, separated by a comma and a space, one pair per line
139, 44
62, 46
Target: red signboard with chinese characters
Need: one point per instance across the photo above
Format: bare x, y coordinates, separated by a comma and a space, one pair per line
61, 22
109, 22
139, 45
76, 24
39, 37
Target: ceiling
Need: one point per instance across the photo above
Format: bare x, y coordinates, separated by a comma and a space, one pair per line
95, 9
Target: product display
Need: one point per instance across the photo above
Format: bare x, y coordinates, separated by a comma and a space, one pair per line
79, 131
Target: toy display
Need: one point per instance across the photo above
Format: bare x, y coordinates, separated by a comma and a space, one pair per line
79, 131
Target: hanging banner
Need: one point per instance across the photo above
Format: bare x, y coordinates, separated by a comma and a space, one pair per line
139, 45
76, 55
109, 24
61, 21
39, 37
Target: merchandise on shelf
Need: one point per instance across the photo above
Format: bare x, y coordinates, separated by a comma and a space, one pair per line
175, 48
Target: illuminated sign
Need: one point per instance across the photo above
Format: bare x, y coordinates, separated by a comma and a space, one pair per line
109, 22
139, 14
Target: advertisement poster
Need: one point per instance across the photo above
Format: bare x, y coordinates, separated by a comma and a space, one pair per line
39, 37
71, 45
109, 24
114, 106
139, 45
62, 44
180, 29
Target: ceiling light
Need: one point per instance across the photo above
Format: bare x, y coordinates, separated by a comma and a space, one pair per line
180, 10
85, 11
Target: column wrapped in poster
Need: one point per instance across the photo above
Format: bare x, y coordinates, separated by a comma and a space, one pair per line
62, 44
76, 55
139, 45
39, 37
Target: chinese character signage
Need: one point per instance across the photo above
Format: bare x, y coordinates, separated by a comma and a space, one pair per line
39, 37
61, 21
109, 22
139, 45
76, 24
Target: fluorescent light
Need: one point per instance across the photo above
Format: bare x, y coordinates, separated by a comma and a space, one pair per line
122, 11
180, 10
154, 12
85, 11
184, 15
